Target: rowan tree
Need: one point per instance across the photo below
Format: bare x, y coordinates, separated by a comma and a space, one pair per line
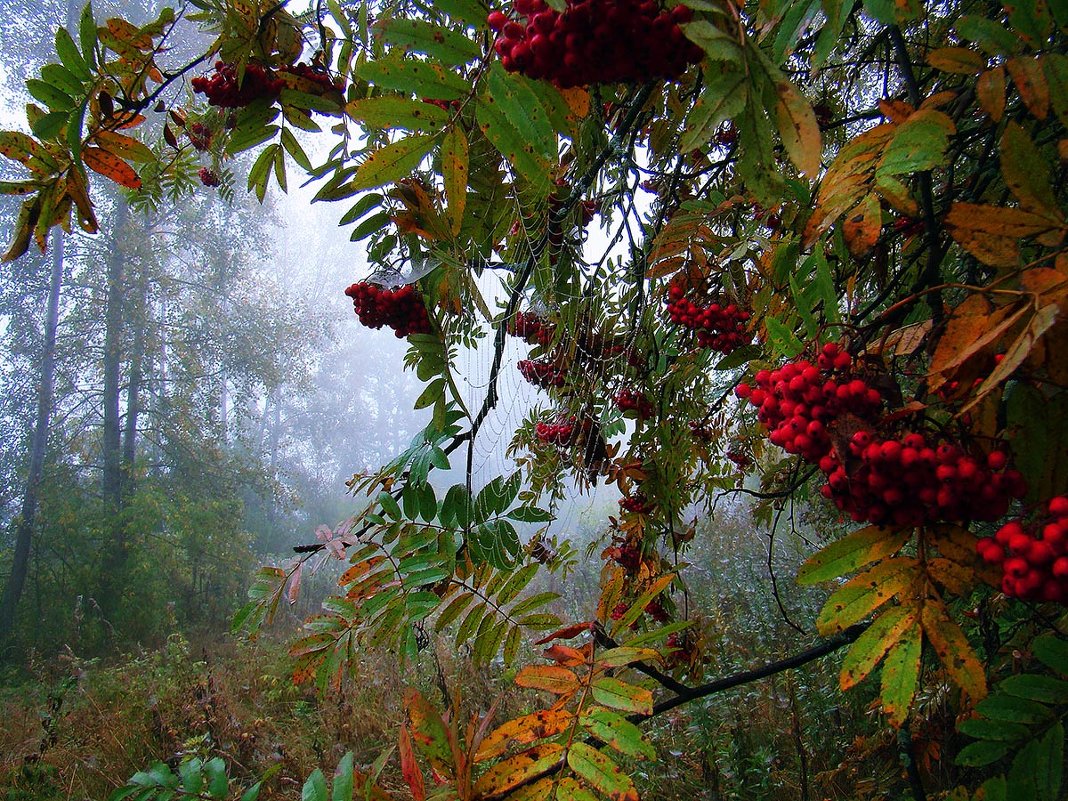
813, 251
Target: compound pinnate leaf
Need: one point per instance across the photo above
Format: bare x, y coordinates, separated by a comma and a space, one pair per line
852, 552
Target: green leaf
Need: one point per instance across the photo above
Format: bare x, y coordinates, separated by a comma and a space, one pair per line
1046, 689
991, 35
530, 514
518, 137
722, 99
63, 79
360, 208
983, 752
1037, 771
315, 787
436, 41
293, 148
50, 125
1052, 651
616, 731
68, 53
371, 225
53, 97
850, 553
420, 78
1008, 709
616, 694
88, 34
870, 647
865, 593
717, 43
901, 675
218, 783
391, 112
782, 339
985, 729
392, 162
1026, 173
602, 773
918, 144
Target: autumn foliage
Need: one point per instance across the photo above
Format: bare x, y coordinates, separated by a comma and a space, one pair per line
830, 272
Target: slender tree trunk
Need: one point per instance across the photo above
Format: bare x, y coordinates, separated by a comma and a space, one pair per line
45, 390
133, 392
111, 446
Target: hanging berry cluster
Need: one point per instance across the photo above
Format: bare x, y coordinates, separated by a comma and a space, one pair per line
532, 328
594, 41
542, 373
628, 400
636, 503
560, 433
720, 327
222, 88
208, 176
904, 478
1033, 560
402, 308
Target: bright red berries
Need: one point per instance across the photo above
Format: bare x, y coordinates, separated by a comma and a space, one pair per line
208, 177
541, 373
402, 309
223, 90
719, 326
1033, 560
903, 478
631, 400
532, 328
594, 41
561, 433
636, 503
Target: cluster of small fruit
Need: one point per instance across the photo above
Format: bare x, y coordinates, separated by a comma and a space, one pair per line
594, 41
904, 477
402, 308
720, 327
542, 373
223, 90
628, 400
200, 136
532, 328
911, 480
636, 503
1033, 560
208, 176
654, 609
562, 432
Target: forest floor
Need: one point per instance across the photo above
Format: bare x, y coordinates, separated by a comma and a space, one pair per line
78, 729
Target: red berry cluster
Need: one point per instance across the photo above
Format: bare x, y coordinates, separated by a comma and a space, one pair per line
223, 91
532, 328
594, 41
636, 503
904, 478
627, 553
560, 433
402, 308
718, 326
200, 136
632, 400
541, 373
208, 177
1034, 561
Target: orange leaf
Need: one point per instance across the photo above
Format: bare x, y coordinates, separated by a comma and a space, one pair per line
516, 770
975, 328
957, 60
566, 633
992, 233
111, 166
862, 225
550, 678
990, 89
1031, 83
524, 730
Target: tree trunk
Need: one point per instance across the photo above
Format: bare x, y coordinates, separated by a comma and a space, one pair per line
111, 446
133, 390
24, 528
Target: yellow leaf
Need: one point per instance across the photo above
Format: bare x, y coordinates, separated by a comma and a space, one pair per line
862, 225
990, 90
872, 645
954, 650
901, 675
516, 770
799, 130
956, 60
524, 730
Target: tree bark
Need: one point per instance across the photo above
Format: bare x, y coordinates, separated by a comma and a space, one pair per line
111, 446
24, 529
